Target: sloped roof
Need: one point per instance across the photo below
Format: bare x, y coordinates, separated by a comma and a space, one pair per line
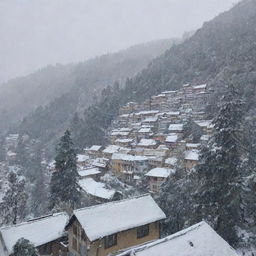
97, 189
127, 157
38, 231
95, 148
172, 138
197, 240
89, 171
175, 127
192, 155
106, 219
160, 172
171, 160
147, 142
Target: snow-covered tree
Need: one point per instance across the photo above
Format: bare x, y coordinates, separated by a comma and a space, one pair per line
176, 202
24, 247
64, 181
218, 194
39, 187
22, 155
13, 205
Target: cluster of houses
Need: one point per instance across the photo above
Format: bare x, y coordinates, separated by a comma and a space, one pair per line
126, 228
147, 141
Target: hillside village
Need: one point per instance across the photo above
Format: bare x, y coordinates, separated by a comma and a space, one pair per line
148, 143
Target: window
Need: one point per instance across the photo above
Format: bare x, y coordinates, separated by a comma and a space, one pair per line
110, 241
142, 231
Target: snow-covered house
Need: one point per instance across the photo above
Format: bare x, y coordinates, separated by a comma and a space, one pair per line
82, 160
95, 151
46, 233
125, 166
90, 173
157, 177
101, 163
171, 140
191, 159
175, 128
197, 240
171, 162
107, 228
98, 190
147, 143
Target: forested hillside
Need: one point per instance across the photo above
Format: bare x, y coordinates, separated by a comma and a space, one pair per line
22, 95
222, 52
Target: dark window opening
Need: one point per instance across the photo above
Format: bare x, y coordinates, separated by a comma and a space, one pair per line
142, 231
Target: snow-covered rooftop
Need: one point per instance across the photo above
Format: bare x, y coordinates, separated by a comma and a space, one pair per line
150, 119
106, 219
144, 130
149, 112
88, 172
175, 127
192, 155
197, 240
173, 113
201, 86
96, 189
126, 157
147, 142
172, 138
193, 145
124, 140
100, 162
95, 148
38, 231
111, 149
204, 123
171, 161
160, 172
82, 158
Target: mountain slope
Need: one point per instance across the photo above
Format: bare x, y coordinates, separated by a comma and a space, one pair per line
20, 96
222, 51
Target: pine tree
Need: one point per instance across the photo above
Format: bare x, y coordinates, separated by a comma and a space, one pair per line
21, 154
2, 149
218, 173
39, 189
13, 205
192, 130
176, 202
24, 247
75, 127
64, 182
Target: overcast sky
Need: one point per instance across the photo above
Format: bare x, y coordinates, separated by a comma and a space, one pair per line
34, 33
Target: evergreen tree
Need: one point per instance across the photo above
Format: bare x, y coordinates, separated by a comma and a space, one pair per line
176, 202
64, 182
24, 247
217, 198
2, 149
21, 154
75, 127
39, 189
192, 130
248, 195
13, 205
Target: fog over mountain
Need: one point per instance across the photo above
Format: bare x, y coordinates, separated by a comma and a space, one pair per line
37, 33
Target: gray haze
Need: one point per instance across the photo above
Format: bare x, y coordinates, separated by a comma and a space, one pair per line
35, 33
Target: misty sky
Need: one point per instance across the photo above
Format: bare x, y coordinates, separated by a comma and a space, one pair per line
34, 33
